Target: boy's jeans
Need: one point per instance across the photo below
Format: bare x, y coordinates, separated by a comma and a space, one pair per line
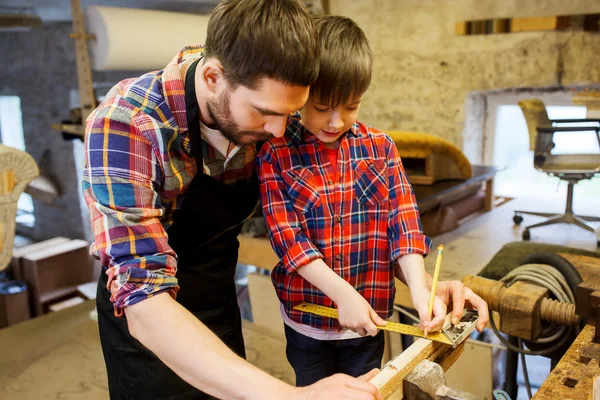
313, 359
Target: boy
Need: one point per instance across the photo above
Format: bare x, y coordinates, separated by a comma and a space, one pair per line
342, 218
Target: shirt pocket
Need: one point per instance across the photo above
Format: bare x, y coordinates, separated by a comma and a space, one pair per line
301, 189
371, 184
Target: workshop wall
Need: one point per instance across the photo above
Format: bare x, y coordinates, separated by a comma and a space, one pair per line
424, 75
39, 67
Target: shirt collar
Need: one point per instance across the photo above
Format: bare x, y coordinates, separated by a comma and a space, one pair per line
173, 82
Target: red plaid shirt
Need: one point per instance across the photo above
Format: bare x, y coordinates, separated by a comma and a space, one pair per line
359, 217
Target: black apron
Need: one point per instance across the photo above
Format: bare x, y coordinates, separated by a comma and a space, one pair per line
204, 236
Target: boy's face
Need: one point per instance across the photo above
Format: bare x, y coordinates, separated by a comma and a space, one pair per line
329, 123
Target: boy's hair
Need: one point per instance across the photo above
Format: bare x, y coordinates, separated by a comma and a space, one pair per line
345, 61
255, 39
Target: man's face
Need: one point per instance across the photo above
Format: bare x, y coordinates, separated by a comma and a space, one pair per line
246, 115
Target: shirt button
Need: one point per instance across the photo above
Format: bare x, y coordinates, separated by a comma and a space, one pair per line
330, 182
338, 257
338, 219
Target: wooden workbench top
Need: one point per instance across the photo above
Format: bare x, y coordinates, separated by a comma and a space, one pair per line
573, 376
58, 356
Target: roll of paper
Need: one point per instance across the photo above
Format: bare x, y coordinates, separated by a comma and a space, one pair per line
134, 39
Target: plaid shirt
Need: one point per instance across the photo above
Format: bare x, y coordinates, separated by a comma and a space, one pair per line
359, 218
138, 170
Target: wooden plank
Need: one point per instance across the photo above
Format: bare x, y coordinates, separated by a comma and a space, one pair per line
588, 267
73, 301
266, 350
534, 24
501, 25
573, 376
19, 252
390, 379
54, 356
58, 356
264, 303
460, 28
52, 269
257, 252
488, 203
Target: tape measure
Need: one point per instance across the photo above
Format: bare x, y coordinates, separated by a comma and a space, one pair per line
390, 326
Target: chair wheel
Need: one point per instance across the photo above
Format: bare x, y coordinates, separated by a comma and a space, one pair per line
526, 234
517, 219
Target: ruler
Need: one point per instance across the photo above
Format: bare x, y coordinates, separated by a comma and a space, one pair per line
390, 326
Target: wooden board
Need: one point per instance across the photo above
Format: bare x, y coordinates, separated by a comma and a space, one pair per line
19, 252
264, 303
573, 376
54, 272
257, 252
390, 379
266, 350
58, 356
588, 267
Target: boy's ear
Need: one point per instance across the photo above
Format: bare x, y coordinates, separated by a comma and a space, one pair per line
212, 75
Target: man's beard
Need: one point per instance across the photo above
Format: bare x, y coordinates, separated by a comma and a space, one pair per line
220, 113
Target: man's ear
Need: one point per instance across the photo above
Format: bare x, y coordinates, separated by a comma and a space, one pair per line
211, 74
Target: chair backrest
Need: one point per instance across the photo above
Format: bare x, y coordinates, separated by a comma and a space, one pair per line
17, 169
536, 115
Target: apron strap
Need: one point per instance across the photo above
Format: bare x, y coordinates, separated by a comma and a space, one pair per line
193, 115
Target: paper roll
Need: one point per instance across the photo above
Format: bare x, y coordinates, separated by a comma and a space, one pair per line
134, 39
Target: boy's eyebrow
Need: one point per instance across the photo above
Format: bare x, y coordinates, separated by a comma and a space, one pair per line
356, 102
267, 112
326, 105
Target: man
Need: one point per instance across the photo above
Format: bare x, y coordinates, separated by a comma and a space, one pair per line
169, 180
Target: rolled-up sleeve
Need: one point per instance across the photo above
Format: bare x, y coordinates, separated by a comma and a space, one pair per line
290, 243
120, 181
404, 229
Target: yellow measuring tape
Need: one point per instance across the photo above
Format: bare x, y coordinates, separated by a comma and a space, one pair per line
390, 326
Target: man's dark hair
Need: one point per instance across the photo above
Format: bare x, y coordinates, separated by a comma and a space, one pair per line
256, 39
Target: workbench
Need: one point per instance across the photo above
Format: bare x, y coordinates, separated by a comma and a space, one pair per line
448, 191
58, 356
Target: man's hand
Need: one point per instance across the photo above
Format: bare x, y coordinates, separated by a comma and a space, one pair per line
456, 295
355, 313
341, 386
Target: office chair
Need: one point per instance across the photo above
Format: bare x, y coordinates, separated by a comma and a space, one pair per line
571, 168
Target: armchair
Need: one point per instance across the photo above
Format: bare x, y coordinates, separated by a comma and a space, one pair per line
571, 168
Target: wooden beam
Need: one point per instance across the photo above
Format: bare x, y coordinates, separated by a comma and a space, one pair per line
391, 377
257, 252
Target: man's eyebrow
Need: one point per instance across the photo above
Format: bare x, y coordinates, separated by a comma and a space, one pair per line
267, 112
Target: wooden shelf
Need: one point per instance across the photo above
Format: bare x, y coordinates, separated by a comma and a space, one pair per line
583, 22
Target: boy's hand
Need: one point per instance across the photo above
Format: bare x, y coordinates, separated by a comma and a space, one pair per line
356, 314
455, 293
420, 299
